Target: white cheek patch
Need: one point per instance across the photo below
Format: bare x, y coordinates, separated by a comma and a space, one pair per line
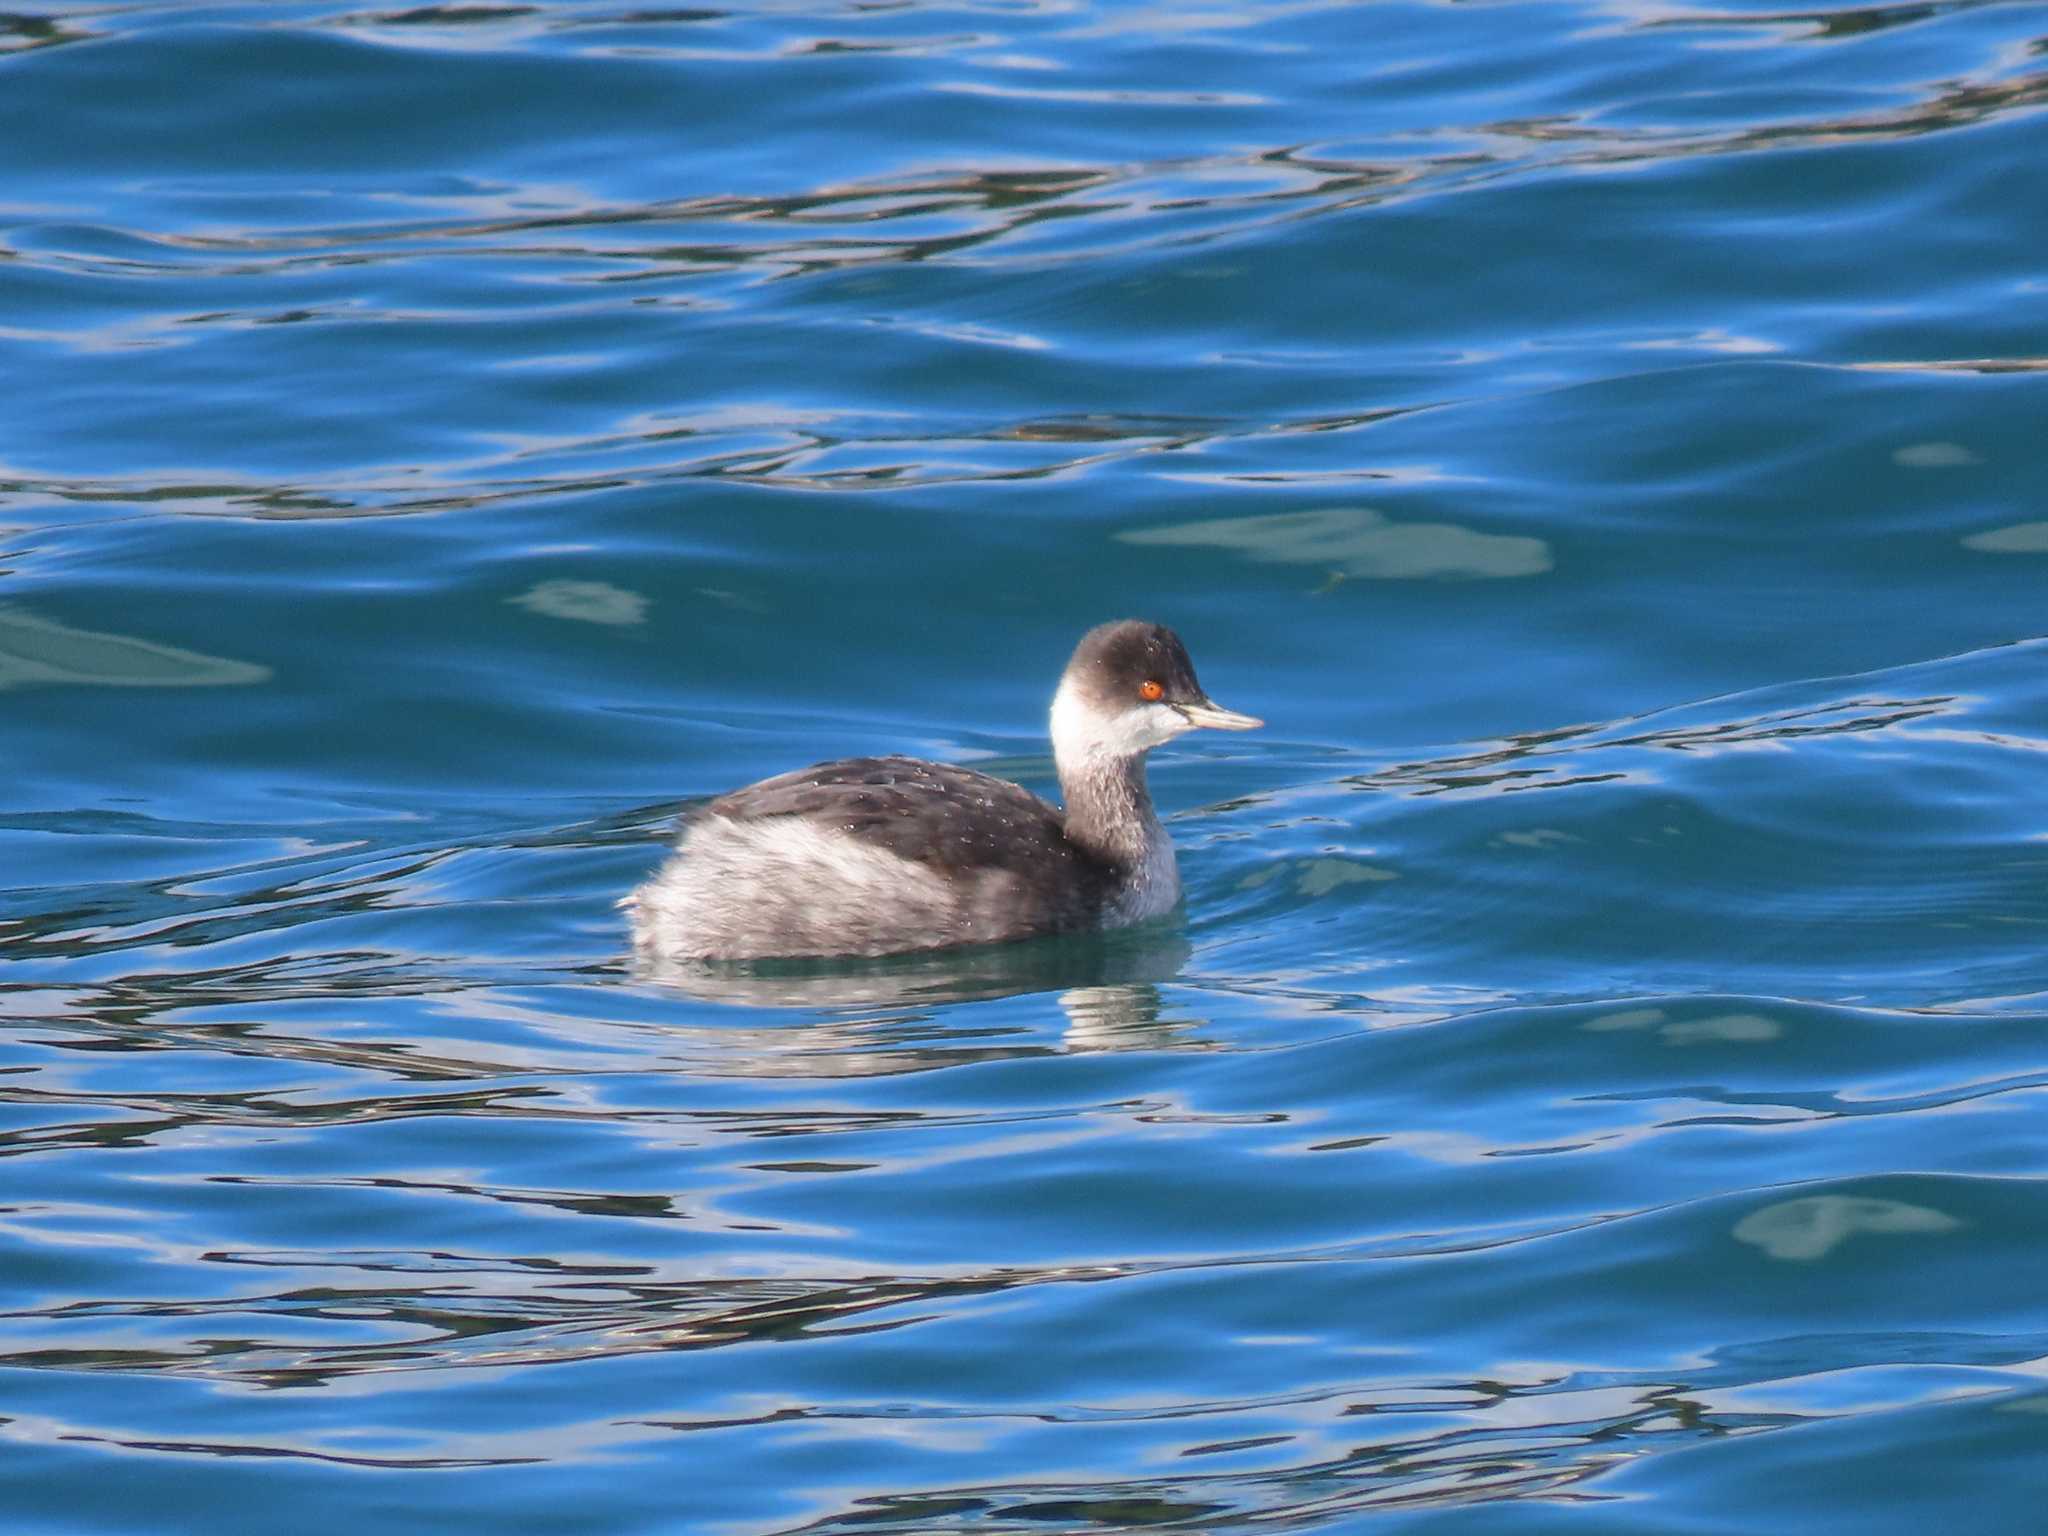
1079, 732
1158, 723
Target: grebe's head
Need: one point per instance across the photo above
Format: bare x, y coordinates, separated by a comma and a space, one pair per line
1129, 688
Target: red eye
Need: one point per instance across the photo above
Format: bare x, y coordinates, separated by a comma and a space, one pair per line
1151, 692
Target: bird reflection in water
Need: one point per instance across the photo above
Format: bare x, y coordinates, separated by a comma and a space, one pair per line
1107, 984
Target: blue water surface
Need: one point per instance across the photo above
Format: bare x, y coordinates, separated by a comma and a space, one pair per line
1598, 1085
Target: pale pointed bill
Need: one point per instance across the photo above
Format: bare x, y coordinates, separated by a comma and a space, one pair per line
1216, 717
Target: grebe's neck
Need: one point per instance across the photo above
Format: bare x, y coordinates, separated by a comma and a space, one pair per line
1109, 809
1101, 761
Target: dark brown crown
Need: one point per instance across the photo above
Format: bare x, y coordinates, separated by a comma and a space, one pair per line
1114, 661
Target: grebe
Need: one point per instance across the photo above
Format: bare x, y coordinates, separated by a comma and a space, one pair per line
891, 855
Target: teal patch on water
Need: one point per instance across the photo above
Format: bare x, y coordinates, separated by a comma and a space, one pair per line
41, 652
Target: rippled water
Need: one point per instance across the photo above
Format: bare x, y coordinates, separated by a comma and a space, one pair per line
1599, 1082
